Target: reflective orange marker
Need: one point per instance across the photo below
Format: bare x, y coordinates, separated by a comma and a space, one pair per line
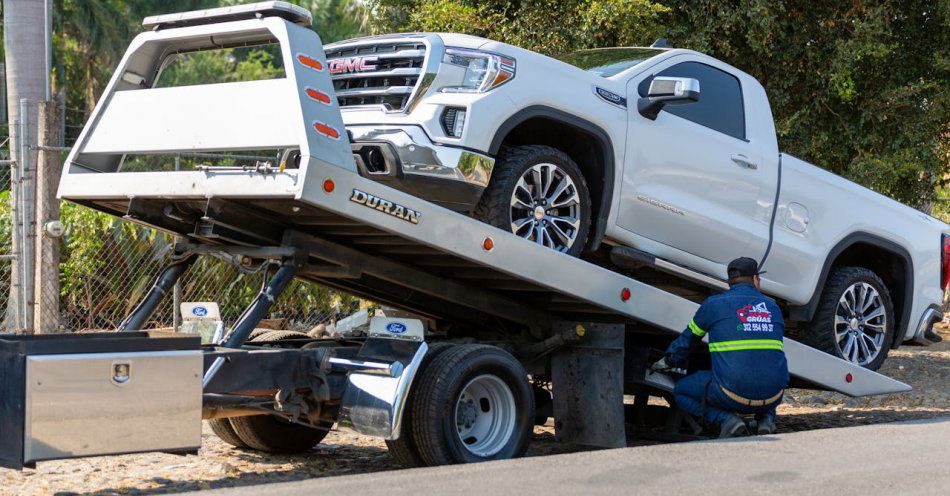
488, 244
625, 294
318, 96
309, 62
329, 185
328, 131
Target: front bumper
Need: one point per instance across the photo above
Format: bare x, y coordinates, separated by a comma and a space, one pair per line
405, 158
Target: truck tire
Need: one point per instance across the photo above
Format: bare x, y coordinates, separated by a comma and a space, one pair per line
473, 404
404, 449
854, 319
222, 428
537, 192
271, 433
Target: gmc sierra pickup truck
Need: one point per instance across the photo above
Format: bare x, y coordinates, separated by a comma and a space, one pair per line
656, 156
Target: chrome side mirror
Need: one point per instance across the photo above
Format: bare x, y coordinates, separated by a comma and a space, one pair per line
667, 91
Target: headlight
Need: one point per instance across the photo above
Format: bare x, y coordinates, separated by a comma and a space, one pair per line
483, 70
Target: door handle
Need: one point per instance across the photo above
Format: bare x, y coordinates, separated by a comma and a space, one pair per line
743, 161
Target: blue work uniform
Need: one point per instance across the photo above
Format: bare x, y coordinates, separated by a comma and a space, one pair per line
749, 372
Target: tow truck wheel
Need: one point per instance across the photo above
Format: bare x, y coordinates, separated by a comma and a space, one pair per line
404, 448
274, 434
222, 428
474, 404
270, 433
537, 192
854, 320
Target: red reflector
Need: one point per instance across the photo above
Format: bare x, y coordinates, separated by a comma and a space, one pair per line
624, 294
488, 244
329, 185
944, 261
318, 96
848, 378
309, 62
328, 131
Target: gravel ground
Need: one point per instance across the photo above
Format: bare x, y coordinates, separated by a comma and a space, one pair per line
219, 465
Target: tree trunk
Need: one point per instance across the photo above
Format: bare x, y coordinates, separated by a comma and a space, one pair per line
48, 169
24, 47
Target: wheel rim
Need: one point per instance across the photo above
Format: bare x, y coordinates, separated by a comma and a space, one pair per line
546, 207
485, 415
860, 323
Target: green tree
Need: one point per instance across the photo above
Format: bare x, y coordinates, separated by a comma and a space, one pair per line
860, 88
546, 26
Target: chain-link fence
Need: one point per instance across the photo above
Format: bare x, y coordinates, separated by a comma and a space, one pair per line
106, 265
109, 264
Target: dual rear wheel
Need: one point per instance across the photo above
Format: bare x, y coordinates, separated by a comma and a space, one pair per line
468, 403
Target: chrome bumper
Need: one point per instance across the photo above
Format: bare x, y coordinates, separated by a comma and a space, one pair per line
449, 176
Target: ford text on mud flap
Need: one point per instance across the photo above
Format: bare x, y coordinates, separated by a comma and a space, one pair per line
494, 310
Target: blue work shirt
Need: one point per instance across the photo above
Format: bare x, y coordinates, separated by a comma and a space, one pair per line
745, 331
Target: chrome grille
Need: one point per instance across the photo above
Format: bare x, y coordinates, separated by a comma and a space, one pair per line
391, 83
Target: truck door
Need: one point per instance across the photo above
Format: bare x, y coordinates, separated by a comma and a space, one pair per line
692, 180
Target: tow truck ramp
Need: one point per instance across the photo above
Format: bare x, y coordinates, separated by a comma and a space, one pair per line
311, 215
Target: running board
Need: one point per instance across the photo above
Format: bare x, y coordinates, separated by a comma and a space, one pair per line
627, 257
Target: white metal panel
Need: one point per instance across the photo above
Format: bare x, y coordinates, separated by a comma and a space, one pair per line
184, 184
247, 115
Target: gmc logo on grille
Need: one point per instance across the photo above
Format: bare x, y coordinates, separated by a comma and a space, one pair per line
352, 64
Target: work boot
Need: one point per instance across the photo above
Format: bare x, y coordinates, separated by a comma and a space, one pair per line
765, 426
734, 427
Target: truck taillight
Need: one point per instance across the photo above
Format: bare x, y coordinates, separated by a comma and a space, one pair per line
944, 261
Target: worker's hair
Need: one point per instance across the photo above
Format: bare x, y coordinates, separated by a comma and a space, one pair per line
737, 280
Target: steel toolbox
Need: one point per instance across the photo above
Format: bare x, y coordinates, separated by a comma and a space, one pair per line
66, 396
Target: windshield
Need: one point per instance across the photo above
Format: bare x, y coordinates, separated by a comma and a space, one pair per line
606, 62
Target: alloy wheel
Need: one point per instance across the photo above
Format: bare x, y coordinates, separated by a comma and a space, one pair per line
860, 323
546, 207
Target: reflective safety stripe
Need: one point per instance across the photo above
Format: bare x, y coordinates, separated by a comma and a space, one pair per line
747, 344
696, 329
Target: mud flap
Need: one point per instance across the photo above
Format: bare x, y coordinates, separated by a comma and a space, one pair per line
588, 387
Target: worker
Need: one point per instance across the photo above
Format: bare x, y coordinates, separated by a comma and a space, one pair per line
749, 372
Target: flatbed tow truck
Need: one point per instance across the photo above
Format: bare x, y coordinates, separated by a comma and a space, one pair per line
501, 339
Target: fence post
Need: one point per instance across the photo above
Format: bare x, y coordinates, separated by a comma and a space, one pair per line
48, 170
26, 195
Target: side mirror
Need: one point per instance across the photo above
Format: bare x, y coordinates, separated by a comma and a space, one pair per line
667, 91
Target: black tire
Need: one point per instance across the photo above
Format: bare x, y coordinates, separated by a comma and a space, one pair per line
273, 434
494, 207
404, 449
222, 428
434, 410
820, 332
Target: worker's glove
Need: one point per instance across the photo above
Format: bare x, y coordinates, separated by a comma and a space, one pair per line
660, 365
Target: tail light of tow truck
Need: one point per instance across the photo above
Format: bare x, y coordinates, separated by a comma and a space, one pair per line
944, 261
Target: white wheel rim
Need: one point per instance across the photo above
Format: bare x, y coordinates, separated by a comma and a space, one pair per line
546, 207
860, 324
485, 415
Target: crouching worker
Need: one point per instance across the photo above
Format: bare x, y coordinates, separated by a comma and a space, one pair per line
749, 372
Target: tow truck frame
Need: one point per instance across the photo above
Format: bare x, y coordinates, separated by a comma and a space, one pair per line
313, 216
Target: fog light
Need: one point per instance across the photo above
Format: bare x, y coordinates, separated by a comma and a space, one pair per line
453, 121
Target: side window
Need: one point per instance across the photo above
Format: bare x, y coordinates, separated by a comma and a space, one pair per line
720, 98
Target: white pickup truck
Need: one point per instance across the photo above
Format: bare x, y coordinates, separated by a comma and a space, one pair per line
655, 157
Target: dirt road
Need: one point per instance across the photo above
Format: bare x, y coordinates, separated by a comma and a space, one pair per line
219, 465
